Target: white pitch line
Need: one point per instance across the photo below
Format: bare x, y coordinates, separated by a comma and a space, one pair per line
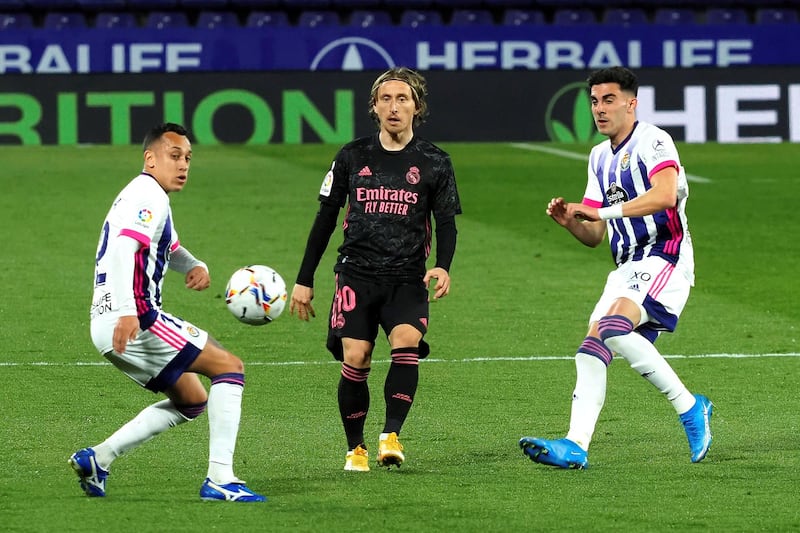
433, 360
550, 150
582, 157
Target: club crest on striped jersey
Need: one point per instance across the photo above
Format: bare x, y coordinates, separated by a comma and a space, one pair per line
625, 164
616, 194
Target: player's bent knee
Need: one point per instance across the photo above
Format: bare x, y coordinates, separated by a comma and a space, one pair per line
237, 365
357, 360
214, 359
405, 335
613, 326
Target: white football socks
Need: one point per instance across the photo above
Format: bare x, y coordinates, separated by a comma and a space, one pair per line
224, 412
150, 421
645, 359
587, 398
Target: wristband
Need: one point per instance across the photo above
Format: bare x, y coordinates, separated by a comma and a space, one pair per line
607, 213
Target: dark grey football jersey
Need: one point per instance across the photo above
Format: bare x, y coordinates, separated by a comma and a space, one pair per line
389, 199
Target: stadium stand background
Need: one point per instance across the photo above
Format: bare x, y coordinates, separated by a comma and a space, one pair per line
165, 14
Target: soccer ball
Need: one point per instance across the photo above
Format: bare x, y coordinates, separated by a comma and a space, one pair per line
256, 295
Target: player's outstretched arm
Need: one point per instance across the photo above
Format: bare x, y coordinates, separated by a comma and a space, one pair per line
301, 302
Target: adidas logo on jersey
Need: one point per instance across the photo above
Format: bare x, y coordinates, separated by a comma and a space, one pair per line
365, 172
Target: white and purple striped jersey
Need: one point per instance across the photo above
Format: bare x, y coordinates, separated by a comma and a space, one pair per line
141, 212
621, 174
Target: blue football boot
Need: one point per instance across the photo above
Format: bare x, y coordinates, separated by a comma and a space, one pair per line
231, 492
562, 453
91, 477
697, 423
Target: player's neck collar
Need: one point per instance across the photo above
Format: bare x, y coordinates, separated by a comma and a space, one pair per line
624, 141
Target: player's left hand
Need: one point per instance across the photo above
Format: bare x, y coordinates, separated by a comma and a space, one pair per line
198, 279
300, 301
442, 286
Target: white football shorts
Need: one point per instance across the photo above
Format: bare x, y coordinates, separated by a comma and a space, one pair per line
660, 288
158, 355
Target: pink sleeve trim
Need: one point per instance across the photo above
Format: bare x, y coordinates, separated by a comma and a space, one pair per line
174, 246
136, 236
592, 203
661, 166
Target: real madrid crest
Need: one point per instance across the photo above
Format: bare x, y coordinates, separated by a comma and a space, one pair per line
412, 176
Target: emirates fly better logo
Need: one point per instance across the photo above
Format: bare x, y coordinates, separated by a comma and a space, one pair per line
568, 117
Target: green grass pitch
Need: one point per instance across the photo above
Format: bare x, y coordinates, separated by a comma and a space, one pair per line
501, 365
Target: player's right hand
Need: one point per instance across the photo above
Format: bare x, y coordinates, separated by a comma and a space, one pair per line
301, 301
125, 331
198, 278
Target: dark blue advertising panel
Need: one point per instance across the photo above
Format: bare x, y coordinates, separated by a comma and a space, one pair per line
133, 50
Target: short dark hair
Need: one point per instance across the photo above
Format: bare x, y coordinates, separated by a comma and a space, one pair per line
157, 131
622, 76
